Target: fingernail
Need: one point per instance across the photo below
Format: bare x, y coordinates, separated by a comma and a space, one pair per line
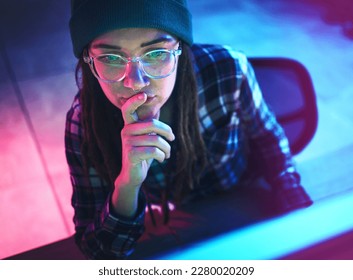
141, 96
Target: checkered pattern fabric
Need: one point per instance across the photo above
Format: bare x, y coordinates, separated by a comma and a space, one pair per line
232, 115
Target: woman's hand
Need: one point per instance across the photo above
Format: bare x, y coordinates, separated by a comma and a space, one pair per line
142, 142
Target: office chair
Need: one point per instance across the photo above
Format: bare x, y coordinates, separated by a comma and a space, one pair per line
288, 90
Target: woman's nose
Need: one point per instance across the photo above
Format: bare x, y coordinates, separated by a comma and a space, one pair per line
135, 78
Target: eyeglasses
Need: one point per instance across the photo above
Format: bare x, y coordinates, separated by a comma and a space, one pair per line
156, 64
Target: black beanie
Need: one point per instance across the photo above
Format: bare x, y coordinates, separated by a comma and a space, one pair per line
92, 18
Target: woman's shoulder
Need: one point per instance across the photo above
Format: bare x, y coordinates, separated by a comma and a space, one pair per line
219, 75
75, 108
73, 116
215, 54
219, 65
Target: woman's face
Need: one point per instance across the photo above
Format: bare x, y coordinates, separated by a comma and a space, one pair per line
133, 42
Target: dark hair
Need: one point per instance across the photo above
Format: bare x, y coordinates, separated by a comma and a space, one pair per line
102, 123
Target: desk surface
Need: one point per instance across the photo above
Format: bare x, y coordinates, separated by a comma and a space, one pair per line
338, 248
323, 231
65, 249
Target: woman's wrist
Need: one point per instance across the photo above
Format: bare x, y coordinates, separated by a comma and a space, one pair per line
125, 199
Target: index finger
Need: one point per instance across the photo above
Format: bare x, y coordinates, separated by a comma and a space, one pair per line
128, 110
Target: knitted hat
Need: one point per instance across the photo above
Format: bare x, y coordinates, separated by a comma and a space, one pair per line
92, 18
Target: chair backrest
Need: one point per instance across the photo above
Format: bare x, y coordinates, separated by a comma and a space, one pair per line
288, 90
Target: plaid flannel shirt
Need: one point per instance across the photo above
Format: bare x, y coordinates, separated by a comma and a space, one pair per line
232, 114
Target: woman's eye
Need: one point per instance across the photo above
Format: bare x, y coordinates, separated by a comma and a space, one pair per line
111, 59
156, 55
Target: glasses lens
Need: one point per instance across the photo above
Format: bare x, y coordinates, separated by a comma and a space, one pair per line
158, 63
110, 67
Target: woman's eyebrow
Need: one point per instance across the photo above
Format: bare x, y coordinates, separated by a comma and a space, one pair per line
105, 46
164, 39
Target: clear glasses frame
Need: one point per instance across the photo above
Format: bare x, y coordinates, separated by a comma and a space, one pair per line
137, 59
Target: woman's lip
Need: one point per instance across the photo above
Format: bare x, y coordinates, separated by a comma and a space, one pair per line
149, 98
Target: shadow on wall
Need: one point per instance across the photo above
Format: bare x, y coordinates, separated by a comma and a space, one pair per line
337, 12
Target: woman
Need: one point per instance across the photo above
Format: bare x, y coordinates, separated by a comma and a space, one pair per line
159, 119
